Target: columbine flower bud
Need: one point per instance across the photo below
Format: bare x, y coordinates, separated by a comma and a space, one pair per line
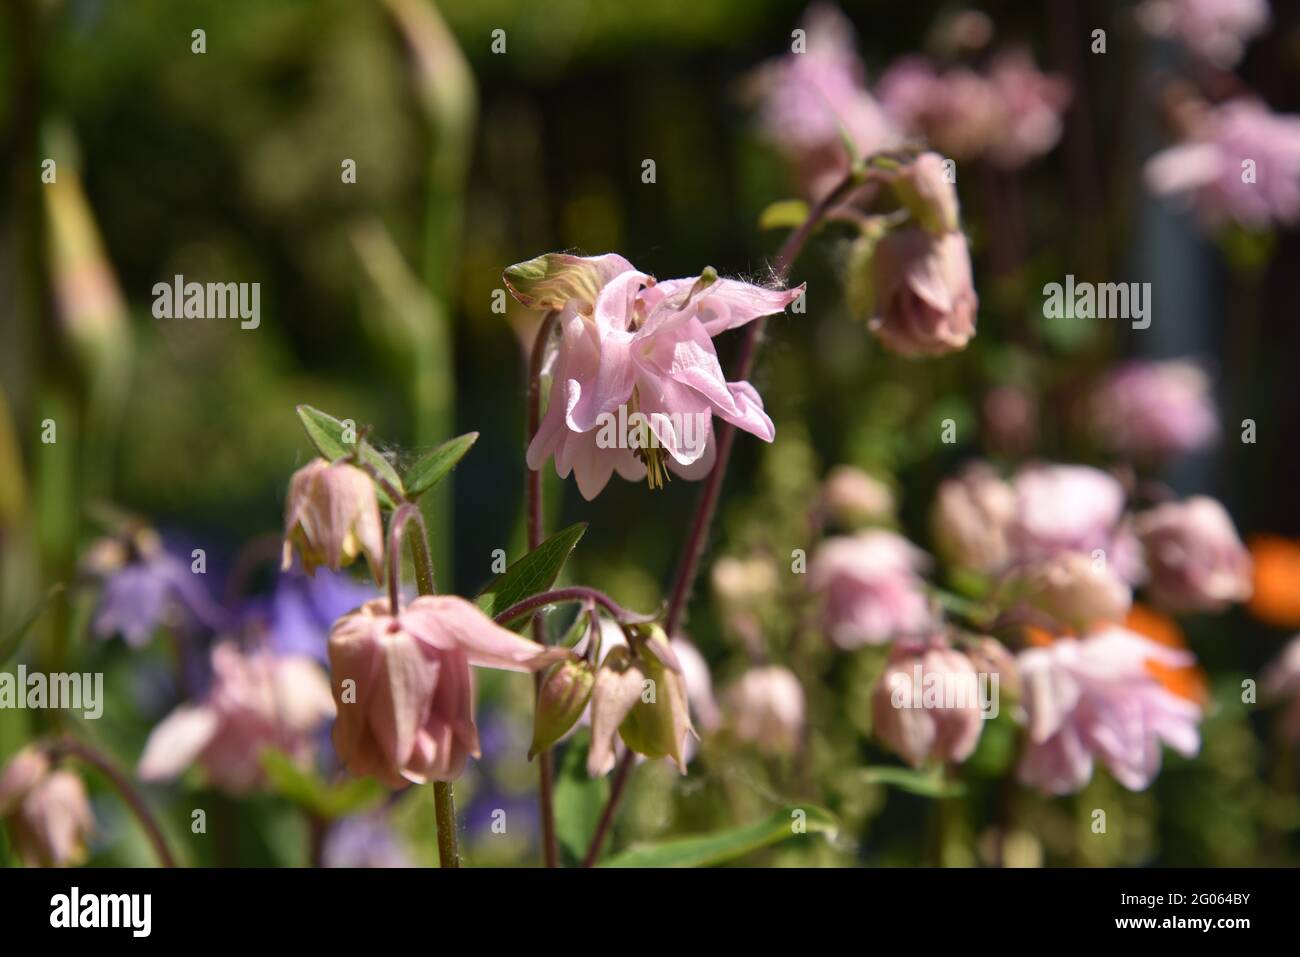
332, 516
926, 705
922, 299
970, 518
765, 707
1195, 559
47, 810
924, 188
1075, 589
565, 691
853, 497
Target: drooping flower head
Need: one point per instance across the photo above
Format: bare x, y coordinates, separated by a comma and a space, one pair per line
46, 809
918, 292
765, 707
1154, 410
257, 700
1101, 697
927, 704
331, 517
402, 685
971, 518
871, 587
1195, 560
636, 380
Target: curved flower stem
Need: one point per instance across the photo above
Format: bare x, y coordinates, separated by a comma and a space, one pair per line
444, 799
533, 520
83, 752
577, 593
688, 565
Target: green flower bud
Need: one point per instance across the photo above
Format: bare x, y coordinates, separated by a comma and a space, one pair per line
564, 693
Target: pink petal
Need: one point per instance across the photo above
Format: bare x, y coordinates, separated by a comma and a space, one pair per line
177, 742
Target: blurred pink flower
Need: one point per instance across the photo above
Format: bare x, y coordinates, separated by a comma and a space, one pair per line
1152, 410
257, 700
1194, 558
1215, 30
403, 690
926, 705
1099, 697
871, 586
765, 708
1075, 589
923, 296
1030, 105
641, 354
331, 516
1242, 163
971, 516
1072, 508
47, 810
814, 100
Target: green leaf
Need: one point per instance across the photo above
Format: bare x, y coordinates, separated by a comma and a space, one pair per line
783, 214
710, 849
434, 467
925, 783
532, 574
10, 643
579, 798
305, 789
326, 433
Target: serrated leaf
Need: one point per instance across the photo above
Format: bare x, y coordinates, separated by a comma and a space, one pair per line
530, 575
305, 789
925, 783
10, 643
783, 214
434, 467
326, 433
708, 850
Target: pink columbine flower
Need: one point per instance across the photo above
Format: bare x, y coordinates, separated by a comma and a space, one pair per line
872, 588
971, 518
816, 99
1215, 30
636, 380
927, 704
923, 300
765, 708
47, 810
955, 112
258, 700
1195, 560
1099, 698
1242, 163
1072, 508
402, 685
1154, 410
1030, 106
332, 516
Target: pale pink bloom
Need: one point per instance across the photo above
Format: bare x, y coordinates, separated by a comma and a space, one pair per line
699, 688
926, 189
331, 516
257, 701
871, 586
971, 516
923, 296
1152, 410
1030, 106
1072, 508
927, 704
765, 708
815, 100
1194, 558
641, 355
955, 112
1281, 683
1242, 163
403, 690
853, 496
1098, 698
47, 810
1075, 589
1215, 30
